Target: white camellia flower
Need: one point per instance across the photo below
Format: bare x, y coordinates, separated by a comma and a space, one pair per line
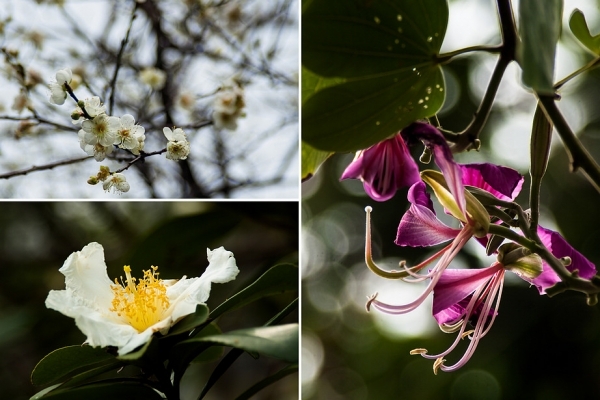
126, 314
178, 147
116, 181
58, 93
129, 135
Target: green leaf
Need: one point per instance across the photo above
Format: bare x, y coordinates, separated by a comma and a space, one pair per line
280, 341
539, 28
580, 29
290, 369
212, 353
385, 53
312, 160
101, 391
191, 321
312, 83
278, 279
68, 361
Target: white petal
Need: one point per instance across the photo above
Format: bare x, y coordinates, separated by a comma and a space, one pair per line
85, 274
168, 133
187, 293
64, 75
127, 121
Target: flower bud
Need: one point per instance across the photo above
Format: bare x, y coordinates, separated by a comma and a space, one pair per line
93, 180
520, 260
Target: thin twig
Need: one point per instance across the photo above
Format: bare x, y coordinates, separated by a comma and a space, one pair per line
113, 81
43, 167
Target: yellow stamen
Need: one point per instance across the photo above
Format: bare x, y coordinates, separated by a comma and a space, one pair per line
141, 305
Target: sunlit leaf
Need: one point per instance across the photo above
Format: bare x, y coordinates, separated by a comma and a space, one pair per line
539, 28
278, 279
312, 160
68, 361
385, 52
280, 341
312, 83
580, 29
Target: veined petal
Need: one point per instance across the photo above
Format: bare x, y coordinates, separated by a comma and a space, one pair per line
433, 139
503, 182
419, 226
384, 168
456, 284
559, 247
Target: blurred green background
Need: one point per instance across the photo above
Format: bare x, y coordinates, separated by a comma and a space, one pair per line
539, 347
36, 238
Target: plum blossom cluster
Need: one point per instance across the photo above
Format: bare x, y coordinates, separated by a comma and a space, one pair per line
228, 106
465, 301
101, 134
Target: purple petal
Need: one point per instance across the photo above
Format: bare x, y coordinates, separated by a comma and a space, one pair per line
504, 183
419, 226
384, 168
433, 138
559, 247
456, 284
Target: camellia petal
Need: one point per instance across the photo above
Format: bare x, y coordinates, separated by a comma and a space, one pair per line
559, 247
504, 183
108, 313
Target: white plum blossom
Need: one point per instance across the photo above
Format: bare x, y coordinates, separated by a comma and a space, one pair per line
228, 106
93, 107
129, 135
127, 314
153, 77
178, 147
102, 129
116, 181
58, 92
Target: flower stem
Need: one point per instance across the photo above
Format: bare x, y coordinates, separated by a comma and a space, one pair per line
469, 138
578, 155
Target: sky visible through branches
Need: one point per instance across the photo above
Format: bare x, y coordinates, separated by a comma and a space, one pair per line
205, 49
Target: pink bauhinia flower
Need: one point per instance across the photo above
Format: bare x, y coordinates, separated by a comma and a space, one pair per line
468, 295
388, 165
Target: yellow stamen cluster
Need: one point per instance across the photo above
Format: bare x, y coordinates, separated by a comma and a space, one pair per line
141, 304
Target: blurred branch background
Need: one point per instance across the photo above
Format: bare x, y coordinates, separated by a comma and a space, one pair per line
36, 239
181, 56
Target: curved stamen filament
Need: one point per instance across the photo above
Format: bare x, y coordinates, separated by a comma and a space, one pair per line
492, 291
435, 274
